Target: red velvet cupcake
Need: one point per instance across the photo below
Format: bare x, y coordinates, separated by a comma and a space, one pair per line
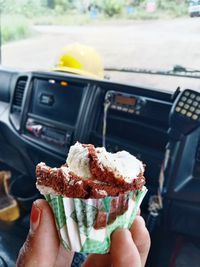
91, 195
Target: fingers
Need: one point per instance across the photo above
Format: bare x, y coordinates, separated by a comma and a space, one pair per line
123, 250
128, 248
42, 244
141, 238
97, 260
42, 247
64, 258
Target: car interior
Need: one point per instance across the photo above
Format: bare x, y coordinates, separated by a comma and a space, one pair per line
43, 113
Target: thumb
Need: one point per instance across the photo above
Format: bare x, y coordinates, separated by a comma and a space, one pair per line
123, 250
42, 243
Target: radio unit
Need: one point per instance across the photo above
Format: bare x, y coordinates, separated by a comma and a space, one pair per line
48, 133
124, 102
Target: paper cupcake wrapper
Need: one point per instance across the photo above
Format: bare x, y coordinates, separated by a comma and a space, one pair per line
86, 225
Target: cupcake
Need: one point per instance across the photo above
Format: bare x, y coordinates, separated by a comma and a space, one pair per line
92, 194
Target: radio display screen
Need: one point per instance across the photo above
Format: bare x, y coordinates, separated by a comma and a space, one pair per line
125, 100
57, 100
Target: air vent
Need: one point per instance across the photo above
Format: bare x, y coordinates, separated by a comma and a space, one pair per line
19, 92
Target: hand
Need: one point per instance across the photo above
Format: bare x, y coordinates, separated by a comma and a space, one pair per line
42, 247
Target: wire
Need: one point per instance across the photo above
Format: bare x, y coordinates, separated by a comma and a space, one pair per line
106, 106
156, 201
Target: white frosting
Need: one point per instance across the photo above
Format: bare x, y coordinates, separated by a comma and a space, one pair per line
65, 172
122, 163
78, 161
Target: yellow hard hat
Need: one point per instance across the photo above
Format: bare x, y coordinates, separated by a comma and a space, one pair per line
80, 59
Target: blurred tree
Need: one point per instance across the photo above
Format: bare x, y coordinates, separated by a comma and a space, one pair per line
112, 7
51, 4
63, 4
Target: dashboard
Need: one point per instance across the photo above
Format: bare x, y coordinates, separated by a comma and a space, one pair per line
48, 112
43, 113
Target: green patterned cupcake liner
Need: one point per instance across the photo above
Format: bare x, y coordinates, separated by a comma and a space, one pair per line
86, 225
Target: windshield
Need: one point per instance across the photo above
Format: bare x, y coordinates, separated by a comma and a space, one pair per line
147, 34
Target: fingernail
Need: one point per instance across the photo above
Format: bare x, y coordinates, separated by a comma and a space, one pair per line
35, 217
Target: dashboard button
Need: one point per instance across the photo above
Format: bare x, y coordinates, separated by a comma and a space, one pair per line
178, 109
192, 96
113, 106
194, 117
189, 101
195, 103
35, 129
183, 98
180, 104
197, 98
187, 93
189, 114
183, 111
46, 99
186, 106
197, 111
192, 109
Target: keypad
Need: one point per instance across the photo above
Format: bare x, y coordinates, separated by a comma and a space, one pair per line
186, 93
181, 104
189, 114
189, 105
131, 110
194, 117
183, 111
178, 109
189, 101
